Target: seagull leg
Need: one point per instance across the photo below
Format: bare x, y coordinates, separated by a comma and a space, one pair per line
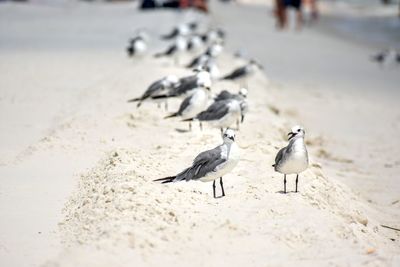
222, 131
284, 183
201, 126
222, 186
190, 126
166, 105
158, 105
214, 189
237, 124
297, 180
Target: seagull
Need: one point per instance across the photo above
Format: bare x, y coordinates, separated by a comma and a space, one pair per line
292, 159
195, 43
211, 164
241, 97
198, 61
220, 114
212, 52
211, 66
192, 105
187, 84
386, 57
175, 50
181, 30
224, 95
241, 74
137, 46
214, 35
157, 88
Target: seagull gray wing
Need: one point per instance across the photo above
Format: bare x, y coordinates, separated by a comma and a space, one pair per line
216, 111
223, 95
206, 162
238, 73
185, 103
153, 88
185, 84
279, 157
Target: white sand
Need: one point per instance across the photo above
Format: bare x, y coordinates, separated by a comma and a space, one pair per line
77, 160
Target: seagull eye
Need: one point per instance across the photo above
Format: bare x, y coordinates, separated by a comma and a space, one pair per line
298, 130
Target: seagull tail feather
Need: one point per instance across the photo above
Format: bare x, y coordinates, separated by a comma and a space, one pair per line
165, 180
172, 115
134, 99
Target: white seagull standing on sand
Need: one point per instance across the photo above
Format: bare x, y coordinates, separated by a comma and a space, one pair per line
192, 105
211, 164
292, 159
156, 88
220, 114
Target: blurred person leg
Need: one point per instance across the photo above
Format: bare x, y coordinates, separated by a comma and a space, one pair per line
299, 13
280, 14
314, 9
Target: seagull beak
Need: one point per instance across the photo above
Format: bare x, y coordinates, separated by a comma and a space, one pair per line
208, 88
291, 135
232, 138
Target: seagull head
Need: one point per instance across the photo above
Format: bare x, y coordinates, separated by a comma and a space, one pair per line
297, 131
243, 92
205, 83
229, 136
172, 79
255, 63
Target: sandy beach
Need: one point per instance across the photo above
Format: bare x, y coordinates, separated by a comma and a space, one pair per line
77, 161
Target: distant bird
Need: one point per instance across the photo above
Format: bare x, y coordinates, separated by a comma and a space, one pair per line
386, 57
211, 53
175, 50
156, 88
211, 164
192, 105
215, 49
224, 95
213, 35
137, 47
198, 61
241, 74
241, 97
221, 114
292, 159
181, 30
187, 84
195, 43
211, 66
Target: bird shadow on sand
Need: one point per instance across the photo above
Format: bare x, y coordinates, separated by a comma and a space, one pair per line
287, 192
182, 130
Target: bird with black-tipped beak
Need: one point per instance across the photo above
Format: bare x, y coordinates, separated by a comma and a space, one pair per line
211, 164
292, 159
